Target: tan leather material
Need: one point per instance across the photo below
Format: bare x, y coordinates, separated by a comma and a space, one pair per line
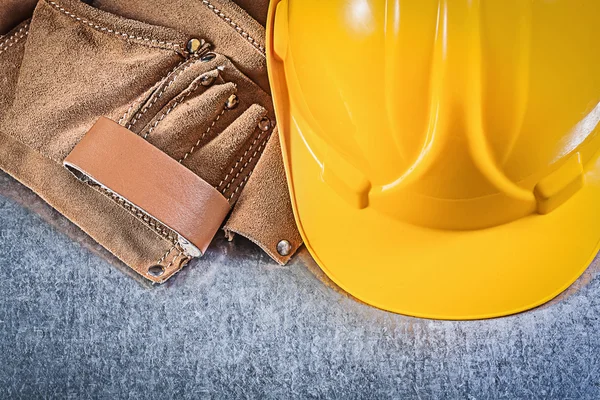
129, 166
123, 60
12, 47
13, 12
264, 204
256, 8
230, 30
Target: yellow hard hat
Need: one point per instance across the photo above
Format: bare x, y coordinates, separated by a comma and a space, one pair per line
442, 155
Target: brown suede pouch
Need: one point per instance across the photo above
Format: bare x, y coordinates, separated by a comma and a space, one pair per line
13, 12
257, 9
209, 111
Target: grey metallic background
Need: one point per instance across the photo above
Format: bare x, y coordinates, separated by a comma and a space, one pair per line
75, 323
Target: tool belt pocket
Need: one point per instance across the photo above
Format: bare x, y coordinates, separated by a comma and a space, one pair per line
180, 154
164, 129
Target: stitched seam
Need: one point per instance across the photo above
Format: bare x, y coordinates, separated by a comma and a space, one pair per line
161, 232
243, 181
178, 102
152, 90
122, 119
14, 39
226, 178
238, 29
163, 258
173, 46
9, 38
203, 136
145, 218
163, 89
173, 260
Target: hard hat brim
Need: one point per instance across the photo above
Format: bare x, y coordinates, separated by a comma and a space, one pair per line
429, 273
442, 274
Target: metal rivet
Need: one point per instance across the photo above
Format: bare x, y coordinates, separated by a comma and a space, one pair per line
232, 102
207, 80
156, 270
284, 248
208, 57
264, 124
193, 45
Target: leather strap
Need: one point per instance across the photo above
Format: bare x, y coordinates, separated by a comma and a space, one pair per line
127, 165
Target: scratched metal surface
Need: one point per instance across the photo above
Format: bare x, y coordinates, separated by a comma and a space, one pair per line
75, 323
